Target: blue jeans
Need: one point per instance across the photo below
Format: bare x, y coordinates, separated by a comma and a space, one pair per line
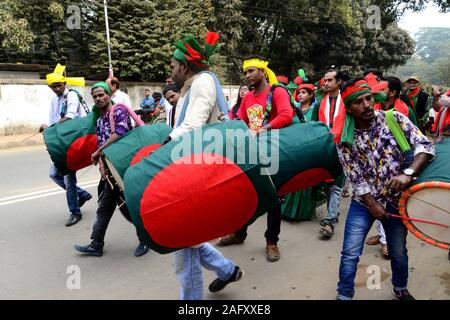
333, 201
69, 183
188, 263
358, 223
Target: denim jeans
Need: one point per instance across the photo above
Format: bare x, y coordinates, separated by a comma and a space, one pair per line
108, 200
188, 263
273, 226
358, 223
69, 183
333, 201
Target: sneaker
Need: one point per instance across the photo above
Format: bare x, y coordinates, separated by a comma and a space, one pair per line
141, 249
402, 294
272, 253
74, 218
218, 284
230, 240
82, 201
90, 250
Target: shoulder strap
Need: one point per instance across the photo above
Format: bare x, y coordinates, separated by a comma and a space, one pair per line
220, 100
81, 100
63, 111
130, 112
398, 133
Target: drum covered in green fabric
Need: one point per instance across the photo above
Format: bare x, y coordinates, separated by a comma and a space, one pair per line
132, 147
428, 198
72, 142
305, 155
199, 187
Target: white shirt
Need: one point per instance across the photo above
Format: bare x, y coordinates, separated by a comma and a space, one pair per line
202, 107
169, 110
74, 108
121, 97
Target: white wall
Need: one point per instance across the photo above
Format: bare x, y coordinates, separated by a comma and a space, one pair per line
25, 105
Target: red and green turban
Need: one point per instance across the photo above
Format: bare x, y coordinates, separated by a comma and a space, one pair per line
189, 50
344, 125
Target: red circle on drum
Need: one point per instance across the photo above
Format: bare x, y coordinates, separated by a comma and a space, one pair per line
304, 180
78, 155
143, 153
216, 198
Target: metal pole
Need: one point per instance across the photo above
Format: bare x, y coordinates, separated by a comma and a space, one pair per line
105, 4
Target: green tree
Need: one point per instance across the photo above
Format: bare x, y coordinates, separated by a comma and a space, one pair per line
143, 34
14, 32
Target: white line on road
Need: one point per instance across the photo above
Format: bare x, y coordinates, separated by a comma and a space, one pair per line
41, 194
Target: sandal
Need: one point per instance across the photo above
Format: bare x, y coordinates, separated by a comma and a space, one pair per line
373, 240
327, 230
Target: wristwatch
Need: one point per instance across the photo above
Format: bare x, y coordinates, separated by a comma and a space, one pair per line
409, 172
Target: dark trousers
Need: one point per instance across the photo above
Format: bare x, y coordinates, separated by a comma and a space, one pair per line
108, 200
273, 226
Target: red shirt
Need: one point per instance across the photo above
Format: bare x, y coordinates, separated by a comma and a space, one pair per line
282, 113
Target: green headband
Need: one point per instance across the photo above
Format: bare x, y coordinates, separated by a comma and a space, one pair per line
103, 85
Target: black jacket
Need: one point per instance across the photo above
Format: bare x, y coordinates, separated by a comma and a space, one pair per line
421, 107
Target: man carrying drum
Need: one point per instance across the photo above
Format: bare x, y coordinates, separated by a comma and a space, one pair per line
369, 148
110, 197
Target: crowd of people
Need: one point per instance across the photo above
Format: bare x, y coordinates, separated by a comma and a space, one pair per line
356, 112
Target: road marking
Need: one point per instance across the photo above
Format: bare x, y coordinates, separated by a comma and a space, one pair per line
41, 194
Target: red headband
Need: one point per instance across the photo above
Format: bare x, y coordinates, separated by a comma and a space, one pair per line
361, 85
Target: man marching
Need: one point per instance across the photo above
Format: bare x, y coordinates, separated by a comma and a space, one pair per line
378, 171
65, 106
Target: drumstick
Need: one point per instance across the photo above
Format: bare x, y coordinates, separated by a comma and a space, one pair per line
420, 220
30, 137
430, 204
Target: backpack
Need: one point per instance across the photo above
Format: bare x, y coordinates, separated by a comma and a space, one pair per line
269, 102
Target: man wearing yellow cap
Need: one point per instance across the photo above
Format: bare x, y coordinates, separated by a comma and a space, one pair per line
263, 109
64, 106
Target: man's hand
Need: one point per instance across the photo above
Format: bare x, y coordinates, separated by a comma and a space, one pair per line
95, 157
377, 211
398, 183
42, 127
263, 129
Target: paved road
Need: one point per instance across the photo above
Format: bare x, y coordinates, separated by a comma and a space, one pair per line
36, 250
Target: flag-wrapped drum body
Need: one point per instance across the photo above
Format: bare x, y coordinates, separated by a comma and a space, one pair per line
131, 148
72, 142
429, 199
306, 156
206, 184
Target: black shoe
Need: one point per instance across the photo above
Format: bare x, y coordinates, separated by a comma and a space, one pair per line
82, 201
402, 294
73, 219
218, 284
90, 250
141, 249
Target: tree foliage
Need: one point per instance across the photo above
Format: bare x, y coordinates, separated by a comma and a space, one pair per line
289, 33
432, 58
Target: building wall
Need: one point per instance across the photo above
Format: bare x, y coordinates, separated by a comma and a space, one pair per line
25, 104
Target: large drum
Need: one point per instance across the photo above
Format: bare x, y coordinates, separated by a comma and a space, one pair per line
131, 148
305, 155
71, 143
429, 199
204, 185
